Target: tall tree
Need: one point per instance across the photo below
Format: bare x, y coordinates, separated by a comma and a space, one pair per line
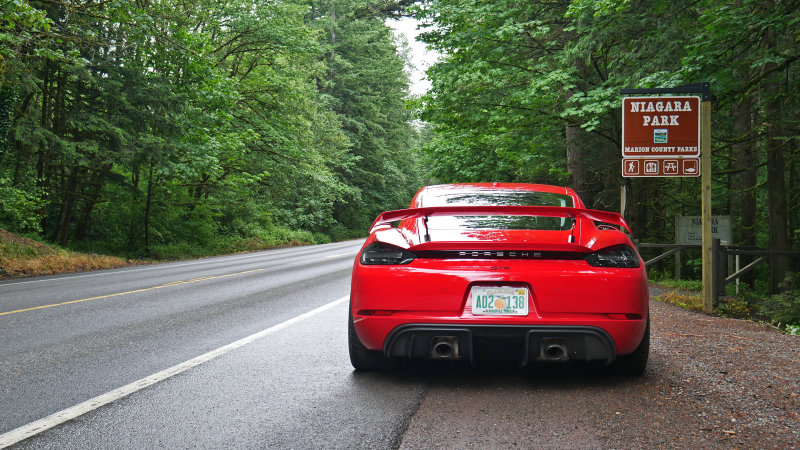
366, 85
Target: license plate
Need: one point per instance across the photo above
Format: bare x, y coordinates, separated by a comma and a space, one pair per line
499, 301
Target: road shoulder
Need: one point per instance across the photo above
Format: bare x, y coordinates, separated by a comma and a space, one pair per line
711, 382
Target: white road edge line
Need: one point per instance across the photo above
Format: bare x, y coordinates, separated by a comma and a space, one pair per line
24, 432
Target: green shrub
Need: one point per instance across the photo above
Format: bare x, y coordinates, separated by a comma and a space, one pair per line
10, 249
19, 210
736, 307
785, 307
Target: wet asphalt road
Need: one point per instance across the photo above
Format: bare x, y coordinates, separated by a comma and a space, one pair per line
295, 388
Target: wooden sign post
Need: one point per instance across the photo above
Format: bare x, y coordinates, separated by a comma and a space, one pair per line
705, 156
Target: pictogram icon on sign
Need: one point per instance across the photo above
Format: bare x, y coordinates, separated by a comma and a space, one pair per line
631, 167
651, 166
670, 167
691, 166
660, 167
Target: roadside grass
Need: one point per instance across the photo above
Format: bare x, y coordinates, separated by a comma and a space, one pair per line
23, 257
692, 302
688, 294
684, 285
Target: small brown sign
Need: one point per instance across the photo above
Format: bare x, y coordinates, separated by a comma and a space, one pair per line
660, 127
660, 167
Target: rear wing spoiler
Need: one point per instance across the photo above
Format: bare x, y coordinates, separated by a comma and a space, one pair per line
544, 211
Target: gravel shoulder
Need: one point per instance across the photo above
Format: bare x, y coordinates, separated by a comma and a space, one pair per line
711, 382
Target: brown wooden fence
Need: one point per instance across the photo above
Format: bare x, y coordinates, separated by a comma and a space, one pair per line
719, 261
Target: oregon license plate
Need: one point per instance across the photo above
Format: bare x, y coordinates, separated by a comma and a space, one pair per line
499, 300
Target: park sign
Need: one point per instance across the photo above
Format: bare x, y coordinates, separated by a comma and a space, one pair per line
649, 135
660, 127
689, 229
661, 136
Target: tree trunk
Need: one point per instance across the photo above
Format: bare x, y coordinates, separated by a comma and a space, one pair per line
67, 207
147, 205
776, 166
638, 211
747, 179
579, 176
97, 182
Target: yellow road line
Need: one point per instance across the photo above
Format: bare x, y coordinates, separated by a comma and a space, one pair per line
160, 286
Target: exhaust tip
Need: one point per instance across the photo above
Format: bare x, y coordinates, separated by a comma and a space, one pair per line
444, 347
443, 350
554, 350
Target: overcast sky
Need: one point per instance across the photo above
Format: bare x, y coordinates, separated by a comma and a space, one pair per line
421, 58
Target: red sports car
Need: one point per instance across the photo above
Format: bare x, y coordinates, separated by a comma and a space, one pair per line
499, 271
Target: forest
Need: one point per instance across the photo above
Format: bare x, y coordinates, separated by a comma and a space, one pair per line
531, 91
163, 128
167, 129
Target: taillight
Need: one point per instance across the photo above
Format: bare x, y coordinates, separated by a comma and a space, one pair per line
379, 253
615, 256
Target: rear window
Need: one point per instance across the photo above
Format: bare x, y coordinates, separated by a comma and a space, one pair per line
497, 197
499, 223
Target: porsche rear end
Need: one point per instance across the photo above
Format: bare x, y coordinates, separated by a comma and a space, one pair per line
573, 294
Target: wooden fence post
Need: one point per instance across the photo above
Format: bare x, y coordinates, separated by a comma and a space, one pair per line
722, 270
715, 266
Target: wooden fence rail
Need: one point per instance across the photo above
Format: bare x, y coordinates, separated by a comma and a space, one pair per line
719, 261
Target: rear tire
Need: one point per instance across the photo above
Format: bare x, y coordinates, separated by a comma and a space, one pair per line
361, 357
634, 365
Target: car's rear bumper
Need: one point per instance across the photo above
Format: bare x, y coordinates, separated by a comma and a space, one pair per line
625, 334
520, 343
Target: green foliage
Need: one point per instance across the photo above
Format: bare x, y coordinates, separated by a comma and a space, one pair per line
21, 25
366, 87
11, 249
597, 8
495, 97
171, 129
785, 307
529, 91
735, 307
8, 98
19, 208
517, 78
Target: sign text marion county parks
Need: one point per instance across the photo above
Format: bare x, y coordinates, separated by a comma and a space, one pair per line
661, 127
